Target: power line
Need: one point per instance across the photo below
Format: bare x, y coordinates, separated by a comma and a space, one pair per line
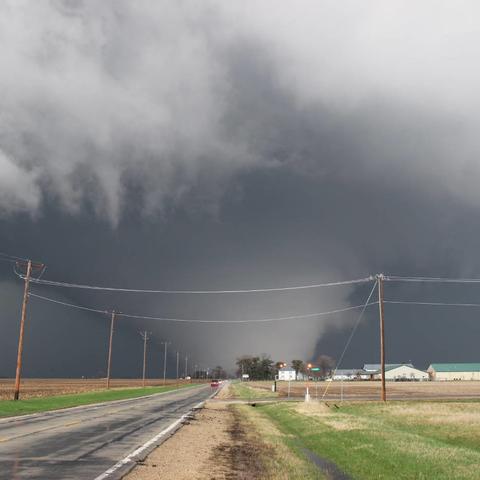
184, 320
258, 320
135, 290
389, 278
66, 304
394, 278
352, 333
13, 257
434, 304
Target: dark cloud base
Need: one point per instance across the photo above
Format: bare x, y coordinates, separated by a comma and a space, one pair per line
313, 191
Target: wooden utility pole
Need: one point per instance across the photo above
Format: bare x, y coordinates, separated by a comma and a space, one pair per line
382, 334
144, 335
165, 363
109, 361
178, 358
186, 363
18, 373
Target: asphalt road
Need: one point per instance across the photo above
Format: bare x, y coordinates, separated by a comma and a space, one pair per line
84, 442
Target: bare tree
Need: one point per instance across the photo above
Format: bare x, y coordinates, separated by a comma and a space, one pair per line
326, 364
219, 372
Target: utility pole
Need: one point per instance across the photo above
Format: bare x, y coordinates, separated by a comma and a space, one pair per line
382, 334
186, 363
109, 361
18, 373
145, 337
178, 359
165, 363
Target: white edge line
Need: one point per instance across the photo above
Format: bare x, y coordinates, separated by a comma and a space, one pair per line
130, 457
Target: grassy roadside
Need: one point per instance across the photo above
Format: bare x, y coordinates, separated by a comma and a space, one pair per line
399, 440
10, 408
274, 455
246, 392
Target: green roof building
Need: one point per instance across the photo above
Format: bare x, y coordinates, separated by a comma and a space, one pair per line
454, 371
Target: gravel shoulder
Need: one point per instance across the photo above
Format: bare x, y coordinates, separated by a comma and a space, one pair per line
225, 441
194, 452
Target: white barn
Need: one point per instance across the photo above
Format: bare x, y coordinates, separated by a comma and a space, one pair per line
402, 373
350, 374
454, 371
375, 367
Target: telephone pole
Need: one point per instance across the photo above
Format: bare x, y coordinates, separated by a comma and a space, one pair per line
18, 372
109, 361
186, 363
178, 359
145, 337
382, 334
165, 363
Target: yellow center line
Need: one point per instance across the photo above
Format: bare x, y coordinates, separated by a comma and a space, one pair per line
41, 430
53, 427
71, 423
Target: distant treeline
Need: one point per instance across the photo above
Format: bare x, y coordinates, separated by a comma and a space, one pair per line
262, 367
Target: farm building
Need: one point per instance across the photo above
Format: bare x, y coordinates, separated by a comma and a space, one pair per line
350, 374
454, 371
286, 373
402, 373
375, 367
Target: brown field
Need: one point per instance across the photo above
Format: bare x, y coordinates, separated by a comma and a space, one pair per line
352, 390
370, 390
44, 387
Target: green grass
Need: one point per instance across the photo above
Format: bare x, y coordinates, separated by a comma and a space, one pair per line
246, 392
399, 440
10, 408
273, 449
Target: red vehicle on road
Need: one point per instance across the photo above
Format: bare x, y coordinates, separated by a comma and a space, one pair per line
215, 384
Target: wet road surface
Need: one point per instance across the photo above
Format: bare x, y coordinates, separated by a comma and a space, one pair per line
84, 442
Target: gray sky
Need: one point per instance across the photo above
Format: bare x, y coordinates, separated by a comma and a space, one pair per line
187, 145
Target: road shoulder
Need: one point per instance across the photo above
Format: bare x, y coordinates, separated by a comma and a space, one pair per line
223, 441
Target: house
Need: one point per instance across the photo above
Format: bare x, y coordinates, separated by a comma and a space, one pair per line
454, 371
286, 373
402, 372
350, 374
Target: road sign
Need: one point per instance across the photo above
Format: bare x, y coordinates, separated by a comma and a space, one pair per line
315, 369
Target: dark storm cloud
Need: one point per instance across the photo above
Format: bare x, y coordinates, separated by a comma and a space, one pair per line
185, 146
